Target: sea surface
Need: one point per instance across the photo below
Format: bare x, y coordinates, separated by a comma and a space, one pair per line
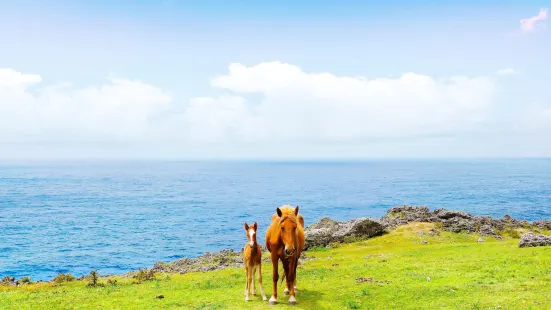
119, 216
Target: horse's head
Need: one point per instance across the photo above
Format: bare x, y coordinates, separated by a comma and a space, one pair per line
251, 233
288, 230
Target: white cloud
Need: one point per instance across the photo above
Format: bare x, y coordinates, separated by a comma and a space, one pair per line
506, 71
299, 106
269, 102
118, 110
530, 24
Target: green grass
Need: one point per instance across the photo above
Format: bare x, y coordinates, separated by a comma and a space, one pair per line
464, 274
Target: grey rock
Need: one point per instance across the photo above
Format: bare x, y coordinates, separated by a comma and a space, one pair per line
402, 215
532, 240
488, 230
327, 231
542, 224
451, 214
206, 262
10, 281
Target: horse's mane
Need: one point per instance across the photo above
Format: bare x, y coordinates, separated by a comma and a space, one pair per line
288, 212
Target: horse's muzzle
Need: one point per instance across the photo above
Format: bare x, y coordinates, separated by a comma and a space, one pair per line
289, 252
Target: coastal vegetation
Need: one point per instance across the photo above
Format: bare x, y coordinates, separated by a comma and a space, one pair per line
413, 266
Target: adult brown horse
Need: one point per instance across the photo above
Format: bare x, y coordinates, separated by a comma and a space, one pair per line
285, 241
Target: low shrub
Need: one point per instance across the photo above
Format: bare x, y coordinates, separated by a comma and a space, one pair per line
62, 278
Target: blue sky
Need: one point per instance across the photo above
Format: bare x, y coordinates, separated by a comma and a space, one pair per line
143, 79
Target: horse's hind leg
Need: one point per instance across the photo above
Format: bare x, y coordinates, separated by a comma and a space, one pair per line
260, 283
295, 283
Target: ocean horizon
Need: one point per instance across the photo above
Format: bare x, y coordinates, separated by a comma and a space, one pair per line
116, 216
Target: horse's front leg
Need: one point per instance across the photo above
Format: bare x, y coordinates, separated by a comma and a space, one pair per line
291, 277
275, 277
286, 291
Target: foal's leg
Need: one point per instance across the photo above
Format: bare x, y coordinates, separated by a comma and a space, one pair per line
275, 277
248, 285
252, 280
260, 282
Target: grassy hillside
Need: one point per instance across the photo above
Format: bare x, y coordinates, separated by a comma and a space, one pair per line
406, 269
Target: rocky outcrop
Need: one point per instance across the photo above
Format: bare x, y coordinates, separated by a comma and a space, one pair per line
533, 240
454, 221
402, 215
9, 281
542, 224
327, 231
206, 262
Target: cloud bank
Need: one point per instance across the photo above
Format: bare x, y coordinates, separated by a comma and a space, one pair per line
270, 102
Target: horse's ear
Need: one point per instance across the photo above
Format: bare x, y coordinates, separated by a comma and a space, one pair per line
255, 225
279, 213
296, 210
246, 226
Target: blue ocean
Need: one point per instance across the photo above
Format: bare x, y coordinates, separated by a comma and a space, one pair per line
119, 216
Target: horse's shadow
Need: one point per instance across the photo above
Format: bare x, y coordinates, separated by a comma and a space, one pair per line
311, 299
306, 299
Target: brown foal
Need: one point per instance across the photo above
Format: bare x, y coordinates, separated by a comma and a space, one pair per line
252, 258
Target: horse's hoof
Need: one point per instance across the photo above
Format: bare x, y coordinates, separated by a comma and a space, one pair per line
292, 301
264, 298
271, 303
286, 292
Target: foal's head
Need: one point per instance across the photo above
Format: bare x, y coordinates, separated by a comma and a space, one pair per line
288, 227
251, 233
